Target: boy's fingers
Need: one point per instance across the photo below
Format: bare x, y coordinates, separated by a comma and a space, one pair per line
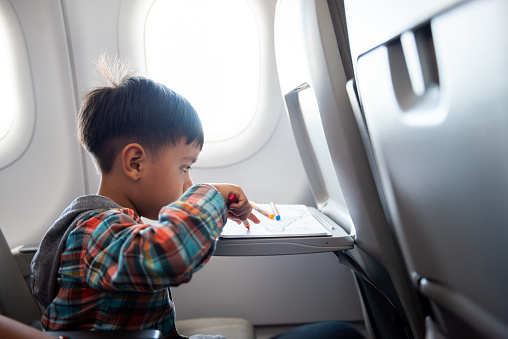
239, 207
244, 214
253, 218
240, 211
238, 217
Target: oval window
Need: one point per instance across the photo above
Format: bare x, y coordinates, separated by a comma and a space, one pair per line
6, 89
208, 51
17, 116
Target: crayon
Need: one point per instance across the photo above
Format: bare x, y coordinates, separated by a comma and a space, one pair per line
277, 215
262, 211
246, 224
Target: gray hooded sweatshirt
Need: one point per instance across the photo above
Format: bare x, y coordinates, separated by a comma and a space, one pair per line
46, 262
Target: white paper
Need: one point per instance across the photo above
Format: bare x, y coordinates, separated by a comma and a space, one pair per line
295, 221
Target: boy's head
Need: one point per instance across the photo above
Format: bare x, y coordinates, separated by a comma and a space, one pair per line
134, 109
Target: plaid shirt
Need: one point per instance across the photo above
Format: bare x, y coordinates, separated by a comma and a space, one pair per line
116, 271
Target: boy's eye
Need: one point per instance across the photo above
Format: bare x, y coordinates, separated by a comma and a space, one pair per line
186, 169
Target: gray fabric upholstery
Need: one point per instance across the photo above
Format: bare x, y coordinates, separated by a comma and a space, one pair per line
13, 289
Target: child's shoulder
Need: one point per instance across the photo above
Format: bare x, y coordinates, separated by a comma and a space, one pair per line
105, 225
108, 218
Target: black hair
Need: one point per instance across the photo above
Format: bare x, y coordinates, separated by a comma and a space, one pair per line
135, 110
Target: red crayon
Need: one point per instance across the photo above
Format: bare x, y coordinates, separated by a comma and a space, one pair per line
232, 200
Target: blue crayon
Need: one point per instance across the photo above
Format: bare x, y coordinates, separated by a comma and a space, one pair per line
277, 215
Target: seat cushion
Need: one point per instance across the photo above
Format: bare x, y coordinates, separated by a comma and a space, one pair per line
231, 328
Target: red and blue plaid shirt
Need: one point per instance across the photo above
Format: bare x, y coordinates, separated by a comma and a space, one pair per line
116, 271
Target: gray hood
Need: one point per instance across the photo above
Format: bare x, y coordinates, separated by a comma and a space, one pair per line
46, 262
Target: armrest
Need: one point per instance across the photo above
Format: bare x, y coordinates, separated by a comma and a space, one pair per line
13, 329
23, 256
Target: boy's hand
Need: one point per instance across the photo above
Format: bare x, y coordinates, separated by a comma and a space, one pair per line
240, 209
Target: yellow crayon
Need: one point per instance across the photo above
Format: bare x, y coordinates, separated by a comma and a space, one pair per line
262, 211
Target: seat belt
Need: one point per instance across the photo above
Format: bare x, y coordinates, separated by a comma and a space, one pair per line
346, 260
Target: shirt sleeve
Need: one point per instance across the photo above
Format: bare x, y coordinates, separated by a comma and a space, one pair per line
124, 255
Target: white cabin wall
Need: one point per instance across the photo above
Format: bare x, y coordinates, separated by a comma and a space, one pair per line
275, 290
265, 290
92, 27
41, 183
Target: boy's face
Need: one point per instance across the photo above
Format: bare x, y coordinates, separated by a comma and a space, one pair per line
166, 178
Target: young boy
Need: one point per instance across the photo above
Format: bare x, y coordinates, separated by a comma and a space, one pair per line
99, 266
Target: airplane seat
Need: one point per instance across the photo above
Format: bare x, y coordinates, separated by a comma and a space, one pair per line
434, 102
315, 73
15, 291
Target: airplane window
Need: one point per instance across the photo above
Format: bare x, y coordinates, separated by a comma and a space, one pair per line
17, 116
6, 88
208, 51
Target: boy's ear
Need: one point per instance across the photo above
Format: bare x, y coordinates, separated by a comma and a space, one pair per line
133, 161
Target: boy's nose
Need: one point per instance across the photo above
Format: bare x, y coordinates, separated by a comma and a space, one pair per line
188, 183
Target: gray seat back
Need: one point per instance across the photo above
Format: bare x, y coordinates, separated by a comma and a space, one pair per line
329, 137
438, 124
16, 300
